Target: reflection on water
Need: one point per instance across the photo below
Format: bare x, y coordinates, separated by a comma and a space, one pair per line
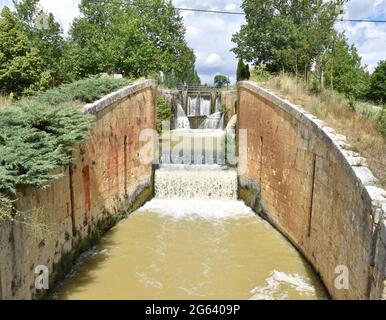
214, 250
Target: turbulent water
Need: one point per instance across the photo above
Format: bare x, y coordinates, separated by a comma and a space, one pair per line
205, 106
193, 106
196, 184
182, 121
214, 121
199, 106
175, 249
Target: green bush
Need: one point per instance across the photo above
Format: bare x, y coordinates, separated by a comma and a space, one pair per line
164, 113
314, 87
242, 72
36, 139
85, 90
260, 73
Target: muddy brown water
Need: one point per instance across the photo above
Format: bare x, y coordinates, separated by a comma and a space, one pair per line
175, 249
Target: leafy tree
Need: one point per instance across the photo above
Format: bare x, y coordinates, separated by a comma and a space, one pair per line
21, 64
286, 35
221, 80
378, 83
242, 71
164, 113
31, 49
188, 77
138, 40
344, 70
45, 34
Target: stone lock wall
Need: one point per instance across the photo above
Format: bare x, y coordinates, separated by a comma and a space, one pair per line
314, 190
229, 102
107, 177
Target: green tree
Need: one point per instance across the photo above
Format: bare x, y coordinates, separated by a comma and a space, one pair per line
187, 77
242, 71
137, 40
21, 64
344, 70
45, 34
287, 35
221, 80
377, 90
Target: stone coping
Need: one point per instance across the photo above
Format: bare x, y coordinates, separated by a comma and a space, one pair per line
108, 100
354, 164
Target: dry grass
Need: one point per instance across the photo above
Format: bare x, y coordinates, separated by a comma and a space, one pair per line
5, 101
359, 126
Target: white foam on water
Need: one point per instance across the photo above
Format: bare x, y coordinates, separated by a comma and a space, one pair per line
198, 185
200, 132
213, 121
193, 106
182, 121
276, 287
205, 105
209, 209
194, 167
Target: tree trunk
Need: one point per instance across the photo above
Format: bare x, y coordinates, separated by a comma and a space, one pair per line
321, 75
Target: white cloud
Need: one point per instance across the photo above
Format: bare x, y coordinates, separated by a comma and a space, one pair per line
211, 40
64, 10
213, 60
231, 7
369, 38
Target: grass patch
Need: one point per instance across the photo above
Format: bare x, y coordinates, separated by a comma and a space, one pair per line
363, 124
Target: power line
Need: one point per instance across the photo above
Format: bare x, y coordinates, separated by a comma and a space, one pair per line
243, 14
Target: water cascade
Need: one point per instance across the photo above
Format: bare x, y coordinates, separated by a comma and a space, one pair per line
193, 182
205, 106
181, 121
214, 121
193, 106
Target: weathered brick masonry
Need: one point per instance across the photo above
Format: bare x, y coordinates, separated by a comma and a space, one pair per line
314, 190
107, 176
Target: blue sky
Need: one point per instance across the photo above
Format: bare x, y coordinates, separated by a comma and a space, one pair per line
210, 35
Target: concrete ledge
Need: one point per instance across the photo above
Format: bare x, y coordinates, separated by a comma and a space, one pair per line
108, 100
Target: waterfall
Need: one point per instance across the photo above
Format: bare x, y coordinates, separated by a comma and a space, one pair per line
193, 147
182, 121
193, 106
214, 121
205, 105
199, 106
220, 184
